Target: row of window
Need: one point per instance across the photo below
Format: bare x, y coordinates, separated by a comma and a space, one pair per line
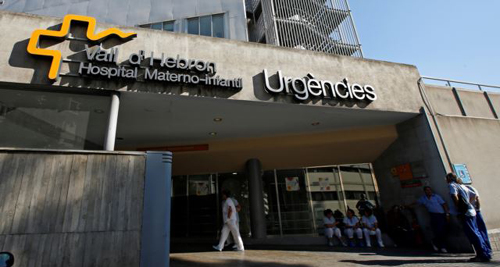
211, 25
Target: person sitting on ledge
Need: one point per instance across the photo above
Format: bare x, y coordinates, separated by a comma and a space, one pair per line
331, 228
370, 225
351, 224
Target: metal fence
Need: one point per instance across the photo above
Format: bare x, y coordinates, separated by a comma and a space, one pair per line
316, 25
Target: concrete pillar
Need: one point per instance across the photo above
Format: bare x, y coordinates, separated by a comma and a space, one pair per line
109, 142
155, 233
256, 198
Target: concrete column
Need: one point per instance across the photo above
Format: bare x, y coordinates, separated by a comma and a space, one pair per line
256, 197
109, 142
155, 233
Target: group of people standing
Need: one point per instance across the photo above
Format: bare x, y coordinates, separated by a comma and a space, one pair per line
467, 208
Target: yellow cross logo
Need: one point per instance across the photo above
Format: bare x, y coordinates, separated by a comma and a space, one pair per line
34, 49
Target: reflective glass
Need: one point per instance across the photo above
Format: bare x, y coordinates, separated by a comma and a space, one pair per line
206, 26
218, 25
168, 26
326, 192
157, 26
33, 119
193, 26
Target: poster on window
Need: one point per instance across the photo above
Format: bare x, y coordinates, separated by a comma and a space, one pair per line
202, 188
292, 184
324, 184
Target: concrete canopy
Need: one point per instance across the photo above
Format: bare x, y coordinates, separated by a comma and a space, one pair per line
252, 129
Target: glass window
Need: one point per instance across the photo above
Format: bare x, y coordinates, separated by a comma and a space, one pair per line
206, 26
157, 26
218, 26
168, 26
147, 26
32, 119
295, 209
193, 26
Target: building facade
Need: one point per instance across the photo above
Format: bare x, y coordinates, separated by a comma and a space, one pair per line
290, 132
312, 25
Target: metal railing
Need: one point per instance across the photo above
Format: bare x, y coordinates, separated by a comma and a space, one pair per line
451, 83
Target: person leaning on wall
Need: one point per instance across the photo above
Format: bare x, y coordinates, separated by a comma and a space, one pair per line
481, 225
462, 197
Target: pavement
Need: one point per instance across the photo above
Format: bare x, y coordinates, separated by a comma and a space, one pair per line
321, 256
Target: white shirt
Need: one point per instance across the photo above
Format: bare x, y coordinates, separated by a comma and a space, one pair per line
369, 222
466, 193
237, 213
225, 210
474, 194
351, 222
327, 220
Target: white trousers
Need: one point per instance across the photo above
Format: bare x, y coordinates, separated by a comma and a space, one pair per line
349, 232
368, 233
329, 232
230, 226
230, 238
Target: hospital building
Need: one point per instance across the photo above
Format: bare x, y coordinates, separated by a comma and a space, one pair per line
122, 121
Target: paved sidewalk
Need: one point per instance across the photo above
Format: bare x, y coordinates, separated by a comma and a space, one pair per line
288, 258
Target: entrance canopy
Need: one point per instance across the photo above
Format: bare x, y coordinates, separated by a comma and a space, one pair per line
220, 135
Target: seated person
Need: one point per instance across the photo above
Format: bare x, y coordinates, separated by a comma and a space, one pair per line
331, 228
370, 225
399, 228
351, 224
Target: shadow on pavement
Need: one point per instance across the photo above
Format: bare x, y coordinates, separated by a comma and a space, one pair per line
405, 262
231, 263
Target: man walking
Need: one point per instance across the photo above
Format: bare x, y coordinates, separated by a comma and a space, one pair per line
440, 215
229, 219
462, 196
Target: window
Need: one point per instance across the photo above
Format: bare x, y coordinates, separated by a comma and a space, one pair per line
194, 26
212, 25
161, 26
168, 26
258, 12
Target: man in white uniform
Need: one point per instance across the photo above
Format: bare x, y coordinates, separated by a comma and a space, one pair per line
238, 208
351, 224
229, 219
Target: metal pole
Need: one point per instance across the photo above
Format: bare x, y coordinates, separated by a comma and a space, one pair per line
109, 142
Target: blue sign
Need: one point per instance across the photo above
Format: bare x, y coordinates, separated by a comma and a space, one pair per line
463, 173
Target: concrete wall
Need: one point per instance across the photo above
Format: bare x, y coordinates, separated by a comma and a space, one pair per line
476, 143
71, 208
395, 84
132, 13
415, 145
473, 140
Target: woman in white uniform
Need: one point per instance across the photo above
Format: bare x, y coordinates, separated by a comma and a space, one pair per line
370, 225
351, 224
229, 219
331, 228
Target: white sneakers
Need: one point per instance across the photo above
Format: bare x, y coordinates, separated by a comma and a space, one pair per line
380, 244
443, 250
217, 248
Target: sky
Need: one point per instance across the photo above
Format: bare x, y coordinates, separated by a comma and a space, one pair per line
451, 39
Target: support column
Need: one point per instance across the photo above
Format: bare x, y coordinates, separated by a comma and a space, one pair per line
109, 142
256, 197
